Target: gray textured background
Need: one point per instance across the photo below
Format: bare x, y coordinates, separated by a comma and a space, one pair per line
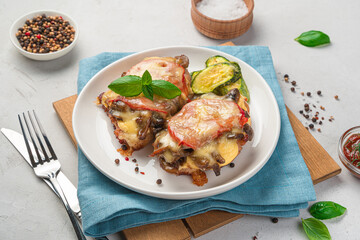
28, 210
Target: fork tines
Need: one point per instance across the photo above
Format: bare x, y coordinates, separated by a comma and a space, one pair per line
33, 128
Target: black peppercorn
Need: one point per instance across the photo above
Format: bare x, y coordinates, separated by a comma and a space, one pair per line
293, 83
136, 169
311, 126
313, 119
124, 147
159, 181
232, 165
301, 111
292, 89
308, 94
275, 220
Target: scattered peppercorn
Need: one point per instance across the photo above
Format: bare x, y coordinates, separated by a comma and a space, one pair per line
311, 126
44, 34
117, 161
136, 169
307, 116
275, 220
302, 94
320, 122
313, 119
319, 130
314, 106
232, 165
308, 94
286, 78
254, 238
124, 147
319, 92
301, 111
134, 160
293, 83
307, 128
336, 97
292, 89
322, 118
322, 108
159, 181
126, 158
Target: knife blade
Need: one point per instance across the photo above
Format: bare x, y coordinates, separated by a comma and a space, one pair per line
70, 191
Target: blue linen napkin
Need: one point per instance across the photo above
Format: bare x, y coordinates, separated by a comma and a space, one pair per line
279, 189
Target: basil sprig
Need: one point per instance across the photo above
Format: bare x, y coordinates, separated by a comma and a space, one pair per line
326, 210
315, 229
313, 38
131, 86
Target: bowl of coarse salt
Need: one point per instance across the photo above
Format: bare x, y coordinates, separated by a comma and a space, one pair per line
222, 19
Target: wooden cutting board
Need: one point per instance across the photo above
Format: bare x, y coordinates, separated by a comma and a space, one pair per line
320, 164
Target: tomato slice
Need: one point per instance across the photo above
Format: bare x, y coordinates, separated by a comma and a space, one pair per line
203, 120
141, 103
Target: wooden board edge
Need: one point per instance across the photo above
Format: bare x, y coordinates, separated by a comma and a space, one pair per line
171, 230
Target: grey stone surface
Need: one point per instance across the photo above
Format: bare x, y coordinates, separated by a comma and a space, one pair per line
28, 210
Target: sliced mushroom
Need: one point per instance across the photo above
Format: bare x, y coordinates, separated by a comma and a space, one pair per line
249, 131
216, 169
233, 94
182, 60
218, 157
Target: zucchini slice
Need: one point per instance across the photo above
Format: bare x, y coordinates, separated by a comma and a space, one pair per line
220, 59
215, 59
194, 73
239, 84
214, 76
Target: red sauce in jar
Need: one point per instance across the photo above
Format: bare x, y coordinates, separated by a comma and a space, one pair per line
351, 149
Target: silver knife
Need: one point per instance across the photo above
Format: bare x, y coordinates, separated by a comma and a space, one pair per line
70, 191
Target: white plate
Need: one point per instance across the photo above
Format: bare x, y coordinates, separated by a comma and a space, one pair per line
94, 133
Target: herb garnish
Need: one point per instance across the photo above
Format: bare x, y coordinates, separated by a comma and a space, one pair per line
313, 38
131, 86
315, 229
326, 210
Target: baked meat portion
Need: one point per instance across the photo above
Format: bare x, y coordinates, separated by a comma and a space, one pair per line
208, 133
136, 120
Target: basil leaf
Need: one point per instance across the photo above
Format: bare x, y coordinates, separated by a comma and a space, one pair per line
165, 89
315, 229
146, 78
326, 210
148, 91
127, 86
313, 38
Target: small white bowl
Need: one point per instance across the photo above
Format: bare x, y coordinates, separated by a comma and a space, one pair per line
42, 56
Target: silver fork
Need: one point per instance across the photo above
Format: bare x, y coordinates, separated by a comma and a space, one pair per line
46, 166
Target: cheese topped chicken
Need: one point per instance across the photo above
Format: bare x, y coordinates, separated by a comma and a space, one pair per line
136, 120
207, 133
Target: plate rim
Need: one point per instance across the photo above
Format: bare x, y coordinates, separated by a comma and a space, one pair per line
188, 194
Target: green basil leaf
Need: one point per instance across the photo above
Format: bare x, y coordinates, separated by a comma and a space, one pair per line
165, 89
146, 78
127, 86
315, 229
313, 38
148, 91
326, 210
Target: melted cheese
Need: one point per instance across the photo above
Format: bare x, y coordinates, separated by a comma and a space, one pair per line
109, 95
168, 141
228, 149
128, 123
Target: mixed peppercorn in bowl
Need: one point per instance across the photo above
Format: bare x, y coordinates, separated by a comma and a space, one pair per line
44, 35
